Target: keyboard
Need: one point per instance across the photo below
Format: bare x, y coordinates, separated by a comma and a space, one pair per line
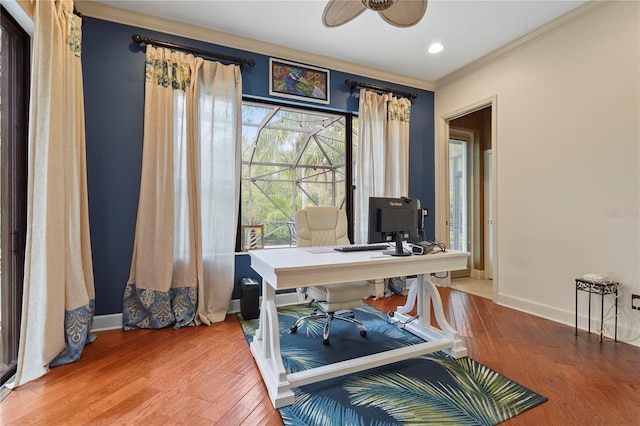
362, 247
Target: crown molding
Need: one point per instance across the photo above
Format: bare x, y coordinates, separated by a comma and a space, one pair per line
121, 16
551, 27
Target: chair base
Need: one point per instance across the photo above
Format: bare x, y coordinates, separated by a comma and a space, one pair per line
345, 315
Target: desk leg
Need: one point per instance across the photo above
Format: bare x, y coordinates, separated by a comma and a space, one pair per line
412, 297
424, 303
265, 348
424, 293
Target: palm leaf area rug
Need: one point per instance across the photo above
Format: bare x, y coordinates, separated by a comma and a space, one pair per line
431, 389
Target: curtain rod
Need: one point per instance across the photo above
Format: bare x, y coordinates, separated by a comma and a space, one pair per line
353, 84
146, 40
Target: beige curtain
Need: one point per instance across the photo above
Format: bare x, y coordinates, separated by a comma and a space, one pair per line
219, 135
183, 260
383, 153
58, 296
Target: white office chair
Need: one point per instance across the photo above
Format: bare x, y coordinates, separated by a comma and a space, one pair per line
327, 226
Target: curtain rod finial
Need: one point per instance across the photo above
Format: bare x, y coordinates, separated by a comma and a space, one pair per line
136, 38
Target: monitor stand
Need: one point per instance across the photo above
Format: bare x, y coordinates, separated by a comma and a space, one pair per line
399, 251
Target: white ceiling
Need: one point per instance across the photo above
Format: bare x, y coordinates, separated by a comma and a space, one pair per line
469, 29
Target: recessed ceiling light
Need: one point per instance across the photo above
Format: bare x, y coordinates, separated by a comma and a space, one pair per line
435, 48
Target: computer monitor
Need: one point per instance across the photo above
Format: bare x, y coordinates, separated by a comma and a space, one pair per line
393, 220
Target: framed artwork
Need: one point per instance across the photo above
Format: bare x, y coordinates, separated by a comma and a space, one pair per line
252, 237
297, 81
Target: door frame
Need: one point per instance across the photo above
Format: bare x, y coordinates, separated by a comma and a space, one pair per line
468, 137
441, 168
487, 157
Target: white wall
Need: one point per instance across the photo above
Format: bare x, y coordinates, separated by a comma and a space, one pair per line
567, 160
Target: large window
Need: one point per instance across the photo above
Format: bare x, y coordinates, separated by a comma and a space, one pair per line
293, 158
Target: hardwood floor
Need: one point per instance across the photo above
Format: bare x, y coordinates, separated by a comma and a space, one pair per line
206, 375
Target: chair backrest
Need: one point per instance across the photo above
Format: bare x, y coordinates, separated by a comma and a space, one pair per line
321, 226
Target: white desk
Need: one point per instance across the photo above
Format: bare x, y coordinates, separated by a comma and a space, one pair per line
303, 267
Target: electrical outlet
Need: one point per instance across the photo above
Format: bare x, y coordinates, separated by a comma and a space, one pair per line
635, 301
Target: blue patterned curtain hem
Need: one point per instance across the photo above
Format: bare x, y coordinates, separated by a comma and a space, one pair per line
77, 333
143, 308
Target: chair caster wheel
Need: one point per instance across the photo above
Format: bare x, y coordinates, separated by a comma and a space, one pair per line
325, 342
363, 333
391, 314
293, 329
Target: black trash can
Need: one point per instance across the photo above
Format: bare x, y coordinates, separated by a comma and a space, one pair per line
249, 298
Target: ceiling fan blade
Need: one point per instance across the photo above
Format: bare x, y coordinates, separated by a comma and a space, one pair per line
338, 12
405, 13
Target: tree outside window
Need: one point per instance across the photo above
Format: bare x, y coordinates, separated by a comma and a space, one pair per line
291, 158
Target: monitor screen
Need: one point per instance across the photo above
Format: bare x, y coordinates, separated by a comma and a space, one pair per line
393, 220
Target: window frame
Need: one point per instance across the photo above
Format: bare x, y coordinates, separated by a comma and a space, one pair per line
14, 129
349, 182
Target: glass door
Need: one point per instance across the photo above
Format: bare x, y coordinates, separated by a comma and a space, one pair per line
14, 100
458, 199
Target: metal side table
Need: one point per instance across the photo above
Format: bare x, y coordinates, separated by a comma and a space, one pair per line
601, 289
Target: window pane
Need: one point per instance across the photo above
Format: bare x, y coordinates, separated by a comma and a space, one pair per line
291, 158
458, 194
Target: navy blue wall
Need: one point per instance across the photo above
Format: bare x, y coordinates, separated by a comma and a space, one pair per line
113, 70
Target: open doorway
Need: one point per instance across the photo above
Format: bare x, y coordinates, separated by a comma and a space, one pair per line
469, 215
461, 180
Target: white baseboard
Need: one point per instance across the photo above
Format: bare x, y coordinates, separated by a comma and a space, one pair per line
107, 322
114, 321
478, 274
569, 318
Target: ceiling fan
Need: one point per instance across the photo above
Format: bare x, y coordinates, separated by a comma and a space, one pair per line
401, 13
